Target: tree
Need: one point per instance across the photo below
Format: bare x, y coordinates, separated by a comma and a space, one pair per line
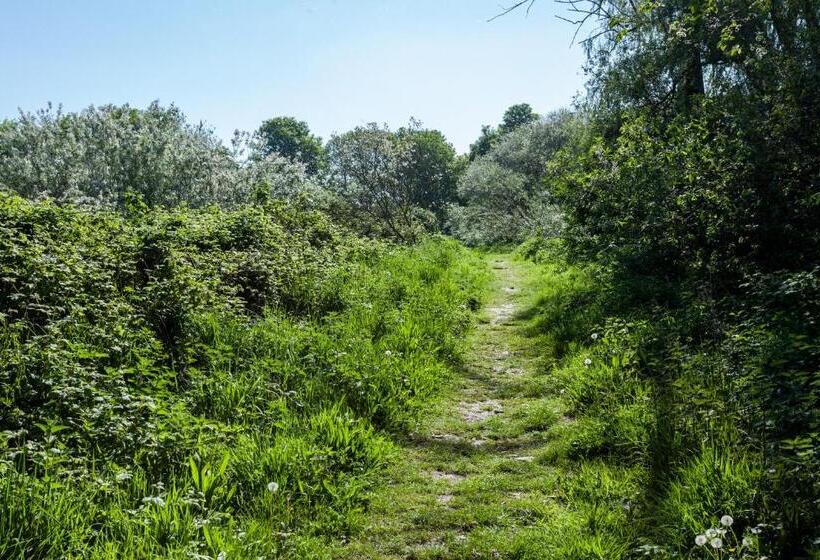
431, 169
365, 170
103, 156
291, 138
502, 194
515, 116
399, 183
487, 139
95, 157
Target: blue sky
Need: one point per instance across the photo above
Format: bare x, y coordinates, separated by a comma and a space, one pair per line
335, 64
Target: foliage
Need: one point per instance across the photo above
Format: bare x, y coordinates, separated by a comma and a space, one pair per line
516, 116
180, 382
104, 156
502, 198
291, 138
691, 192
397, 183
432, 169
484, 143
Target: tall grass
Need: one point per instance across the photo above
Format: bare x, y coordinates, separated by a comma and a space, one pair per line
663, 409
208, 384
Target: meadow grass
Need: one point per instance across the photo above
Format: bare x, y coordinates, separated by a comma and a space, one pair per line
547, 442
207, 384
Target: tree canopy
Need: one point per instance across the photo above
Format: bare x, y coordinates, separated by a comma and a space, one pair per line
291, 138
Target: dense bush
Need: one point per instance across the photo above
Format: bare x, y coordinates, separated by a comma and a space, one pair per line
502, 196
713, 403
179, 382
689, 200
102, 156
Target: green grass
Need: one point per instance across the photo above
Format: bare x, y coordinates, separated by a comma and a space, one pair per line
487, 486
552, 440
258, 383
210, 384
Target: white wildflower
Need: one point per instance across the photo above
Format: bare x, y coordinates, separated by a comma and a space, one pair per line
711, 533
273, 486
594, 336
747, 542
155, 500
716, 543
726, 520
123, 476
587, 362
700, 540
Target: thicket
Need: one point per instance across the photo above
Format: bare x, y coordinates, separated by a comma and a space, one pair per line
501, 195
102, 156
393, 184
207, 383
685, 322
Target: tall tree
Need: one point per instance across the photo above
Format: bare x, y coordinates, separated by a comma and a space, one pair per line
517, 115
291, 138
431, 170
401, 182
484, 143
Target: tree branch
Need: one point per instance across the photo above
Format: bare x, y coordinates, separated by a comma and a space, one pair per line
514, 7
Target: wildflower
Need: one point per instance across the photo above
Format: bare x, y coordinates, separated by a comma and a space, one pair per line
587, 362
700, 540
594, 336
716, 543
711, 533
388, 353
273, 487
122, 476
155, 500
726, 520
747, 542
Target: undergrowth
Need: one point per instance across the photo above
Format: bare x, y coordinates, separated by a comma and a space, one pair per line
690, 425
208, 384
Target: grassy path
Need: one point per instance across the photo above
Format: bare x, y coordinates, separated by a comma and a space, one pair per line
471, 483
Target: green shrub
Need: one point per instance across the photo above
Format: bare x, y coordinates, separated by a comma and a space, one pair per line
204, 381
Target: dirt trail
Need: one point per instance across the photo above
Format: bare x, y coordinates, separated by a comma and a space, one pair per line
470, 480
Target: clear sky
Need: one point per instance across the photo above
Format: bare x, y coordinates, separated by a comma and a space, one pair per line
335, 64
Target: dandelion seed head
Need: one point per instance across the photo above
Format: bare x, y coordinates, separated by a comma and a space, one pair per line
587, 362
273, 486
716, 543
700, 540
726, 520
